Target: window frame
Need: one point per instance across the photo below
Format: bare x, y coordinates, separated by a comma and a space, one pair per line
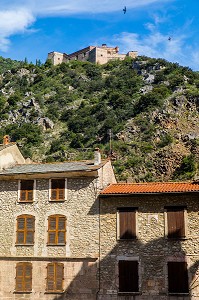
184, 278
20, 200
54, 277
126, 280
25, 230
24, 278
56, 230
133, 210
177, 209
50, 190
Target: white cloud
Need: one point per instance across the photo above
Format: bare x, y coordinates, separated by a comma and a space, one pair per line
156, 44
20, 14
11, 22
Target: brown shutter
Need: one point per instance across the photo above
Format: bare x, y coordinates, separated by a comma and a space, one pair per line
19, 277
57, 229
55, 277
30, 228
25, 229
61, 229
127, 223
178, 277
59, 276
28, 277
175, 220
50, 277
23, 277
128, 276
20, 230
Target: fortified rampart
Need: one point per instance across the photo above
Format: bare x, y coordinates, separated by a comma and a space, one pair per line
95, 54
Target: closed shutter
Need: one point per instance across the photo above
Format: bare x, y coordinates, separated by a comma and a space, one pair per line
50, 277
20, 230
178, 277
30, 228
128, 276
28, 277
127, 223
57, 230
59, 277
55, 273
23, 277
25, 229
57, 189
175, 219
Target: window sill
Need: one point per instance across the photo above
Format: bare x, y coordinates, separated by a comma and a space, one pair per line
178, 294
22, 292
53, 292
131, 239
55, 201
55, 245
26, 245
128, 293
20, 201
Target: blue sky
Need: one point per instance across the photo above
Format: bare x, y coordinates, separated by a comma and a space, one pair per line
32, 28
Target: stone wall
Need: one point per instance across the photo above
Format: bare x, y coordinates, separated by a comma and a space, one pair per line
151, 248
82, 238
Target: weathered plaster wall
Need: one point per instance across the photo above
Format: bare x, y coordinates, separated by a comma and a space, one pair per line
151, 248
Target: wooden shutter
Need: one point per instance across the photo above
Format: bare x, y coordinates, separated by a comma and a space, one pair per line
50, 277
57, 189
55, 273
26, 191
23, 277
175, 220
59, 276
25, 229
57, 230
127, 223
30, 229
128, 276
178, 277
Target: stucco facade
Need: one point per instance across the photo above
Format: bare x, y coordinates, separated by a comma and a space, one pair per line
151, 249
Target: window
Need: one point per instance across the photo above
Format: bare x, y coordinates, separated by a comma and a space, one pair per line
26, 190
175, 222
25, 230
127, 223
57, 187
57, 230
23, 277
128, 276
178, 278
55, 274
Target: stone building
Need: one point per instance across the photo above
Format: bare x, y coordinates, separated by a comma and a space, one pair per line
49, 226
95, 54
149, 241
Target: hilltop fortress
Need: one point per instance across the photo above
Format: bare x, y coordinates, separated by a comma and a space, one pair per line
95, 54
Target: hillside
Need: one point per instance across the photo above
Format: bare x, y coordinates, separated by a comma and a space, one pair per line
145, 110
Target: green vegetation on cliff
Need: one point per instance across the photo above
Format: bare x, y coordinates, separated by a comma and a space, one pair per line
147, 108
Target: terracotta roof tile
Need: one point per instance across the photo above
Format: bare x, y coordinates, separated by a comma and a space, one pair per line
154, 187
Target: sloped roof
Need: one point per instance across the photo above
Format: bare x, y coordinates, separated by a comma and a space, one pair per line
58, 167
148, 188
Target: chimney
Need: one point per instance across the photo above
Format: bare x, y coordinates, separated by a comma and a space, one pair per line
6, 140
97, 157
